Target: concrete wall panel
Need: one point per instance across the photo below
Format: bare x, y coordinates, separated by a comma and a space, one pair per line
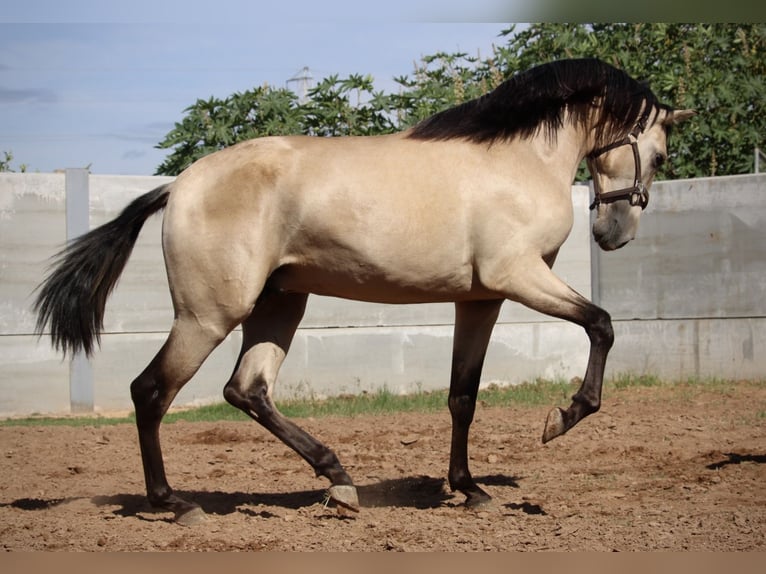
700, 252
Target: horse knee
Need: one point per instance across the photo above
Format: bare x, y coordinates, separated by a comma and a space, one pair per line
462, 408
599, 328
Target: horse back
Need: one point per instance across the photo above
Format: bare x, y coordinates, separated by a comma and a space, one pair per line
382, 218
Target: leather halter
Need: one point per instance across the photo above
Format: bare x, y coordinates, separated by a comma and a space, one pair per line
636, 194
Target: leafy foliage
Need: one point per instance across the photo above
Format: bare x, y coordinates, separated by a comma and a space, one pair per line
350, 107
6, 161
213, 124
717, 69
441, 81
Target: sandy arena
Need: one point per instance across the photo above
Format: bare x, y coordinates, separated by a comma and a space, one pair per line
681, 468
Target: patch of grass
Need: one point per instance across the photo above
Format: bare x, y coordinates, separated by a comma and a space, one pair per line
213, 412
631, 380
382, 401
536, 393
539, 392
67, 421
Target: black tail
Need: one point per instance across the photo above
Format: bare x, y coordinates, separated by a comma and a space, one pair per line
73, 296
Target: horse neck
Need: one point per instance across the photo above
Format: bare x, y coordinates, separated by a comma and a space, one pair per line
565, 150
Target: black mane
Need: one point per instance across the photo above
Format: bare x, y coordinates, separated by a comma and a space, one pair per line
537, 100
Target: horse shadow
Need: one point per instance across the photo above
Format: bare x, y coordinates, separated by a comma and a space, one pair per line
735, 458
420, 492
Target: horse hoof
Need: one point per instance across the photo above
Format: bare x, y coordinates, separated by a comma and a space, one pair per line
191, 517
554, 425
345, 496
479, 502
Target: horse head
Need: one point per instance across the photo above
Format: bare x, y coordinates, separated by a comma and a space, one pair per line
622, 173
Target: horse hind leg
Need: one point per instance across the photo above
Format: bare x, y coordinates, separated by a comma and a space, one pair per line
266, 337
187, 346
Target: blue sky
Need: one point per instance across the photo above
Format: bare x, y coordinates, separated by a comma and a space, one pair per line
86, 82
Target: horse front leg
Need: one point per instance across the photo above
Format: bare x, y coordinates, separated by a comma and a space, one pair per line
474, 321
538, 288
587, 400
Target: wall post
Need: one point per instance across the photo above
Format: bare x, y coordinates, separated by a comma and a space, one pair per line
81, 387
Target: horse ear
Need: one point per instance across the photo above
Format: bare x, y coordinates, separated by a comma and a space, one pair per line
678, 116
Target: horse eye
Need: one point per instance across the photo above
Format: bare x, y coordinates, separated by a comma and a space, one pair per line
659, 160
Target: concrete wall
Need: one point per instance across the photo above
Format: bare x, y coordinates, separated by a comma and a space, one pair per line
687, 295
693, 278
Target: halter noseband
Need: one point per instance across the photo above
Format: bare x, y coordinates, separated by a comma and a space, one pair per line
635, 194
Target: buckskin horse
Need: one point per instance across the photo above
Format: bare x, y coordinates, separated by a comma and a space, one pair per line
468, 206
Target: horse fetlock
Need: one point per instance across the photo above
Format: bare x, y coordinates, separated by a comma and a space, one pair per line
162, 497
328, 465
584, 405
460, 480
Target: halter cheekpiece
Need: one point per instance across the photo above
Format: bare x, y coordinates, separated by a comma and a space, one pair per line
636, 194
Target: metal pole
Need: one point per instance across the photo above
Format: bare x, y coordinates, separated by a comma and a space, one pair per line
78, 222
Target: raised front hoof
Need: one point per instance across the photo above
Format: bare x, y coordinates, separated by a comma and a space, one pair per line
554, 425
190, 516
345, 497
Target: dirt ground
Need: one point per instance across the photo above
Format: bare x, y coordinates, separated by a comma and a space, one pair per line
680, 468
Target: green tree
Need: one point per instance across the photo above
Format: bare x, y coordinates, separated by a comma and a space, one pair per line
347, 107
213, 124
717, 69
441, 81
335, 107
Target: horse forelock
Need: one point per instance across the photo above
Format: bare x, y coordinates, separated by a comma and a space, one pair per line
542, 99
